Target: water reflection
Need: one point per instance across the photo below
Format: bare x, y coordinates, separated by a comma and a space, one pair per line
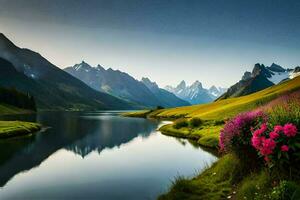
95, 156
77, 132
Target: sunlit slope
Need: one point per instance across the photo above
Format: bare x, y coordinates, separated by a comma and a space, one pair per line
229, 107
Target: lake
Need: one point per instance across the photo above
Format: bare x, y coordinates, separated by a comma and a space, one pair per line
95, 155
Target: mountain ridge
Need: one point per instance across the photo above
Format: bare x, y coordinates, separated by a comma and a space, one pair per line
52, 87
121, 85
260, 78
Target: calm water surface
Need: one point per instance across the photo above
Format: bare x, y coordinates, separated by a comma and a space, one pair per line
97, 155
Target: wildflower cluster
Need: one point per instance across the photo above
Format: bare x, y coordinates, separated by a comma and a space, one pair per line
273, 143
236, 131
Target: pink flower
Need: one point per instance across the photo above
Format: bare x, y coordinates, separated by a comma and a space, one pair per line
263, 127
290, 130
239, 127
256, 142
278, 128
268, 145
261, 130
274, 135
284, 148
257, 132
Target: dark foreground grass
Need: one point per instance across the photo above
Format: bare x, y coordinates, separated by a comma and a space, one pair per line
229, 178
10, 129
215, 182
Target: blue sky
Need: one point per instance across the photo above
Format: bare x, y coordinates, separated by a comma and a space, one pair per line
168, 40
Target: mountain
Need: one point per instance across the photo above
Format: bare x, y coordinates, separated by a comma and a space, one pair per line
52, 88
195, 94
168, 98
120, 84
216, 91
260, 78
295, 72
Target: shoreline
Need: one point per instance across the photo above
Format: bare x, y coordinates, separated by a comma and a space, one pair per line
14, 129
206, 135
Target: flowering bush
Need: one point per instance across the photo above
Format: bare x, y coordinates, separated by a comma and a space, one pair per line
270, 132
274, 144
236, 132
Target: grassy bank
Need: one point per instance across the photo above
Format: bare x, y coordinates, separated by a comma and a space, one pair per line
215, 182
206, 135
10, 129
229, 178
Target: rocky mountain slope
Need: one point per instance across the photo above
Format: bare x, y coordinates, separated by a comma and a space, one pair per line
52, 88
168, 98
260, 78
122, 85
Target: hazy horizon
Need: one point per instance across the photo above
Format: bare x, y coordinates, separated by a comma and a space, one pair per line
214, 42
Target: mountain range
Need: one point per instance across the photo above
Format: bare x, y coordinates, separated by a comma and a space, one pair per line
142, 93
83, 87
260, 78
52, 88
195, 93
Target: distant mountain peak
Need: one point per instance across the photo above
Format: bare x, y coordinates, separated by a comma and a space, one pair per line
276, 68
181, 85
151, 85
82, 66
247, 75
260, 69
5, 42
197, 84
195, 93
99, 66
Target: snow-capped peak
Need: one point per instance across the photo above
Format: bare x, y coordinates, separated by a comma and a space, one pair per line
195, 93
196, 84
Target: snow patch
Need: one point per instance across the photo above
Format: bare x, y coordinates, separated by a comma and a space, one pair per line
277, 77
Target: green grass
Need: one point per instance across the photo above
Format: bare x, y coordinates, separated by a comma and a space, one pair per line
10, 129
206, 135
140, 114
255, 186
214, 183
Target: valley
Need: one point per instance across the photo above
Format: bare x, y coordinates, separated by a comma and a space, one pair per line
149, 100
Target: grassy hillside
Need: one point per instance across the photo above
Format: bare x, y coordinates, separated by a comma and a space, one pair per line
229, 107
